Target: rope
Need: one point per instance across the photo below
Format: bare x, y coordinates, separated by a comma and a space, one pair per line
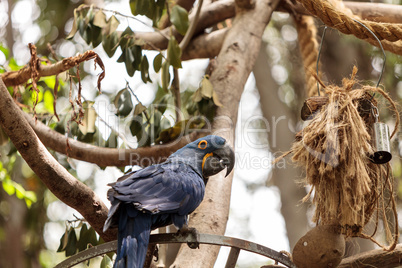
306, 32
340, 18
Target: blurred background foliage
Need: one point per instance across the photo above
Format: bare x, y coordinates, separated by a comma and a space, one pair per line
29, 214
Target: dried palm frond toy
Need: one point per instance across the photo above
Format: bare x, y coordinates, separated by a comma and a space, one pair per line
345, 152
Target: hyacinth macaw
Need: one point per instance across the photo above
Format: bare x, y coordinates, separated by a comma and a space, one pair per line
163, 194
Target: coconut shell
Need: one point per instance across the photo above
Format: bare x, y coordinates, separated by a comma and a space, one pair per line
321, 247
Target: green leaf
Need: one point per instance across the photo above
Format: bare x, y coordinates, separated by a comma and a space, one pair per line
88, 122
144, 70
129, 61
197, 96
8, 186
156, 127
165, 76
96, 35
158, 62
81, 25
13, 65
48, 100
28, 202
100, 19
90, 15
122, 57
93, 241
163, 103
136, 125
50, 81
206, 87
110, 43
86, 33
137, 53
112, 24
179, 18
106, 262
30, 195
139, 7
174, 53
126, 36
84, 238
123, 102
5, 51
216, 100
139, 108
74, 28
63, 241
158, 11
71, 247
19, 191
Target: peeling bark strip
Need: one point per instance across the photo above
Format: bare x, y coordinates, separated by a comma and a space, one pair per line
59, 181
234, 64
19, 77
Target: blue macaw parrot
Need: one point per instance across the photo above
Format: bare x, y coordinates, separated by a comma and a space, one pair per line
162, 194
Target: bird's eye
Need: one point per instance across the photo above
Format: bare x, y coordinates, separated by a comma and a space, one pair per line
202, 144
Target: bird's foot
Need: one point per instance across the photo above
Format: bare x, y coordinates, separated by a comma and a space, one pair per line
192, 234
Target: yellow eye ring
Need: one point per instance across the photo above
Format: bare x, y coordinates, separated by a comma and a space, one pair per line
202, 144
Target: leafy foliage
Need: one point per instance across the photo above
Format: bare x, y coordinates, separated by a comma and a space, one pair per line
150, 8
179, 18
13, 188
70, 243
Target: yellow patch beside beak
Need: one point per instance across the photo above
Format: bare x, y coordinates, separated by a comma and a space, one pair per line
205, 158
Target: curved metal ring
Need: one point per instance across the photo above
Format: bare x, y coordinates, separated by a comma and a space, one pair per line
218, 240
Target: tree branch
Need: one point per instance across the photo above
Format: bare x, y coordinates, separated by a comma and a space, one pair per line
209, 16
244, 4
61, 183
23, 75
107, 156
375, 258
205, 45
220, 10
234, 64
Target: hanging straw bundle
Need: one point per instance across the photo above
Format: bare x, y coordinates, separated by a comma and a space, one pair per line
335, 149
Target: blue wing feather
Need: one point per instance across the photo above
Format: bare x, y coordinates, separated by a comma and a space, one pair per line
165, 193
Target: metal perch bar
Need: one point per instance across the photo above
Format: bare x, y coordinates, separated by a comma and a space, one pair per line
235, 243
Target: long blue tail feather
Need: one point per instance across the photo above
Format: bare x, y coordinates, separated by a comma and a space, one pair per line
133, 238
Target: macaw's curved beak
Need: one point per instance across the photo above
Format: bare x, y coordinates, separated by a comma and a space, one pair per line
218, 160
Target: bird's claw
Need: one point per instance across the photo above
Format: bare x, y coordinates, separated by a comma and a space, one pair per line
185, 230
156, 254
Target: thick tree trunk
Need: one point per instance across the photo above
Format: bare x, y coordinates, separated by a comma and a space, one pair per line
234, 64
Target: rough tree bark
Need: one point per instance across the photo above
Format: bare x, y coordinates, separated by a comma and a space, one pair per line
234, 64
375, 258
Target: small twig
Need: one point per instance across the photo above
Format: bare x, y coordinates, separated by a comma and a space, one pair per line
175, 88
54, 55
125, 16
191, 29
121, 136
55, 89
138, 100
34, 65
